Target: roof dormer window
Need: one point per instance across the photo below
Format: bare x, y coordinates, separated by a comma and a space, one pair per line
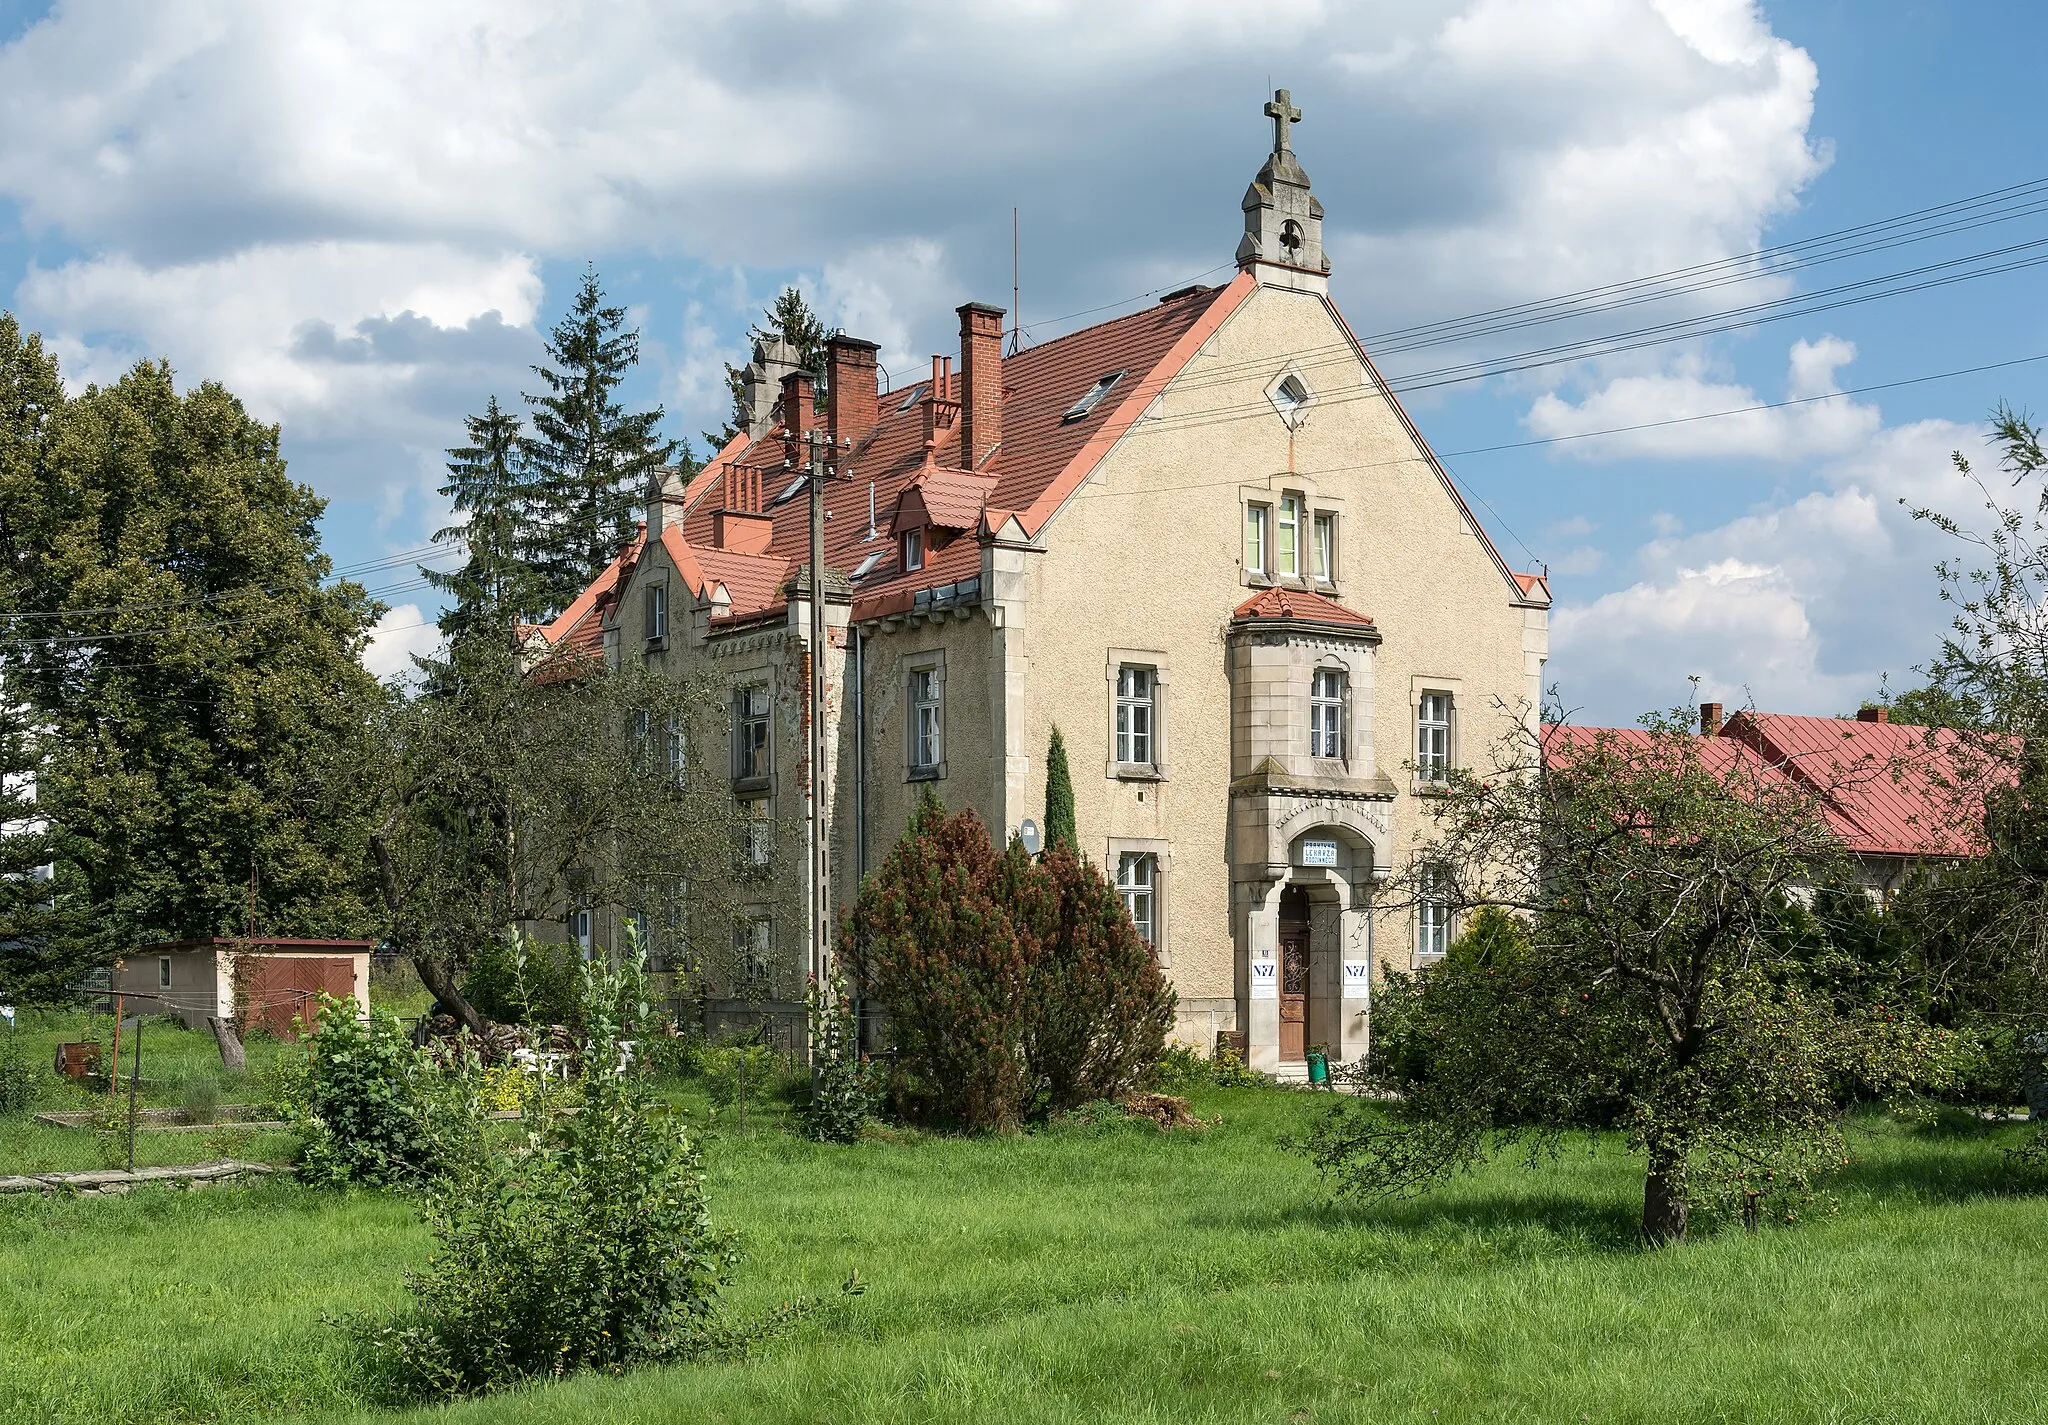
913, 550
1093, 397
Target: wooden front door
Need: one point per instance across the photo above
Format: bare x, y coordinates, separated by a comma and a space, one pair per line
1293, 994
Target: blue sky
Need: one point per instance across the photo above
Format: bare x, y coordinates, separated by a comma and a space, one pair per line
359, 214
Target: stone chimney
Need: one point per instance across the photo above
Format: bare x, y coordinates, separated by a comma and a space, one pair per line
981, 382
851, 392
761, 384
799, 412
742, 526
1710, 719
1874, 715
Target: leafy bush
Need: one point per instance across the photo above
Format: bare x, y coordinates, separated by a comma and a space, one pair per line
1181, 1068
1229, 1071
842, 1096
591, 1250
677, 1055
363, 1102
514, 980
1014, 988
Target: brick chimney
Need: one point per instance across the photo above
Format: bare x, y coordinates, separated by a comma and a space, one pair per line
1874, 715
981, 382
850, 394
941, 411
1710, 719
799, 410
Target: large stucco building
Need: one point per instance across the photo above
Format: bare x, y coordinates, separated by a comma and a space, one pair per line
1204, 539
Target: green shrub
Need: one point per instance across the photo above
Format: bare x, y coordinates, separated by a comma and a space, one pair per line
363, 1101
515, 980
199, 1095
842, 1090
1228, 1070
1180, 1068
591, 1250
673, 1055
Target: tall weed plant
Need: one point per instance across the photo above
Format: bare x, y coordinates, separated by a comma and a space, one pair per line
588, 1248
843, 1085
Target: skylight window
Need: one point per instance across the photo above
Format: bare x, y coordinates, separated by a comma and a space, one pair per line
795, 488
1093, 397
867, 566
911, 399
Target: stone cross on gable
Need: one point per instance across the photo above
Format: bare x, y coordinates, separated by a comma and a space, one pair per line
1283, 113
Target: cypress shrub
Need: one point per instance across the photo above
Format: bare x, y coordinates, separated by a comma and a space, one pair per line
1059, 796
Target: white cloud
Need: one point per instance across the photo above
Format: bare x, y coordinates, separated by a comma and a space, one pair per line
1803, 604
401, 633
1785, 433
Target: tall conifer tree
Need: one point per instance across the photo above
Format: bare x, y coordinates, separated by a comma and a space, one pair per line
495, 587
1059, 797
590, 459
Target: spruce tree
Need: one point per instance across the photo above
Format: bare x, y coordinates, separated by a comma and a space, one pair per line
1059, 797
590, 459
789, 319
495, 587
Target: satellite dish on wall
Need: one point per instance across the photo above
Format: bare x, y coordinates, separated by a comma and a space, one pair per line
1027, 832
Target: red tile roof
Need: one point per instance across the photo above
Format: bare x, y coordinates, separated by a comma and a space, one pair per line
1042, 459
1298, 604
1878, 782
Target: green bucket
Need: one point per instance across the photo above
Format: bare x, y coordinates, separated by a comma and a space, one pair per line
1318, 1067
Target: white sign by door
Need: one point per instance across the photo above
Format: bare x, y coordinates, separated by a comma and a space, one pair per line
1318, 853
1265, 979
1357, 979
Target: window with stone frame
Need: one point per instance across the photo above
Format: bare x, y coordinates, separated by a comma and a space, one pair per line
1328, 693
757, 832
1137, 708
657, 614
750, 732
1433, 917
926, 697
1137, 883
1326, 547
1257, 522
579, 929
1287, 538
755, 935
1433, 737
678, 750
638, 728
163, 972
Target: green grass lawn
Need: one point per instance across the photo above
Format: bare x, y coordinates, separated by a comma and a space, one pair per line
1117, 1276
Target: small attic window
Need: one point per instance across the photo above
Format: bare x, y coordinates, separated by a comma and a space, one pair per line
795, 488
1093, 397
867, 566
1291, 397
911, 400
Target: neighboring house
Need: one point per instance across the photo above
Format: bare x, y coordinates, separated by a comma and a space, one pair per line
1203, 539
1885, 787
265, 981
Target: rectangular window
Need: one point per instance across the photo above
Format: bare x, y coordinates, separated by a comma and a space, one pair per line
913, 550
1255, 517
927, 720
678, 749
1326, 547
750, 733
1287, 548
1137, 882
1136, 689
657, 612
756, 831
1433, 918
1326, 713
756, 947
579, 930
1433, 737
637, 739
635, 929
163, 972
677, 948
